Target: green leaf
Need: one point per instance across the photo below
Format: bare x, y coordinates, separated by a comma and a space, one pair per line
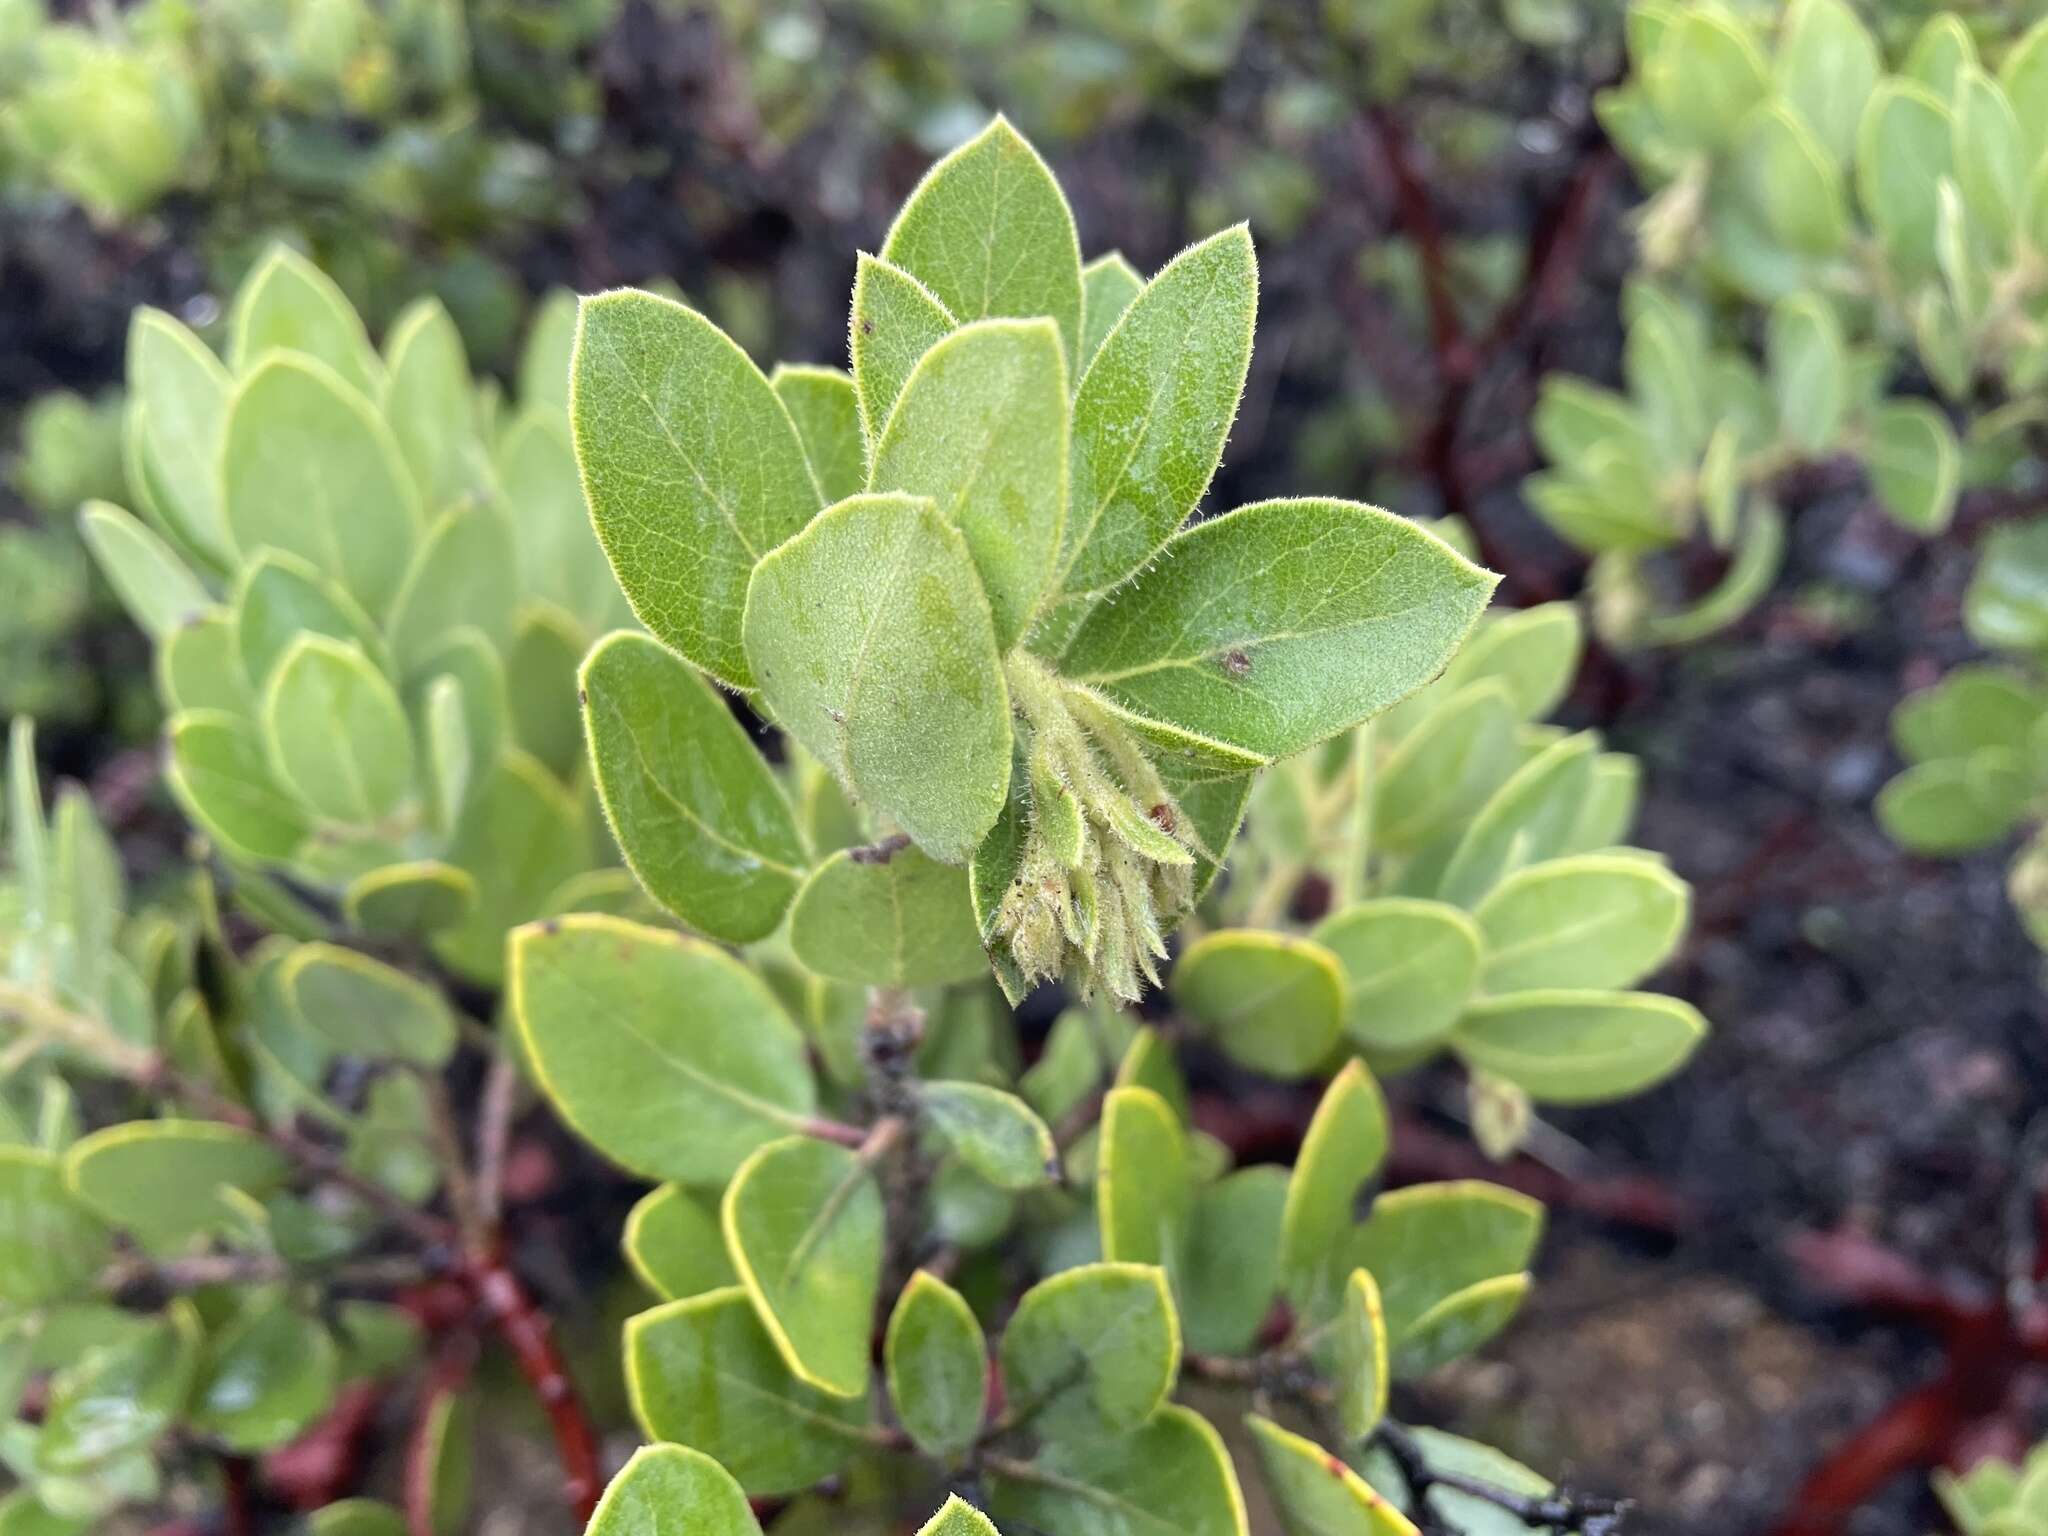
544, 362
994, 1133
1316, 1493
1809, 371
415, 897
51, 1246
1469, 1459
1227, 1279
521, 835
981, 428
1902, 154
672, 1243
310, 468
1408, 966
199, 666
119, 1397
671, 1487
164, 1180
823, 405
1144, 1191
875, 649
221, 776
1534, 651
1915, 464
896, 320
1826, 66
1274, 1002
336, 734
1345, 1144
179, 404
1784, 180
444, 1450
1279, 625
693, 469
1169, 1477
957, 1517
560, 559
1459, 1324
288, 303
540, 674
803, 1225
1990, 155
698, 813
278, 599
1705, 73
2006, 606
1528, 819
988, 231
464, 574
1154, 408
1363, 1368
154, 585
356, 1517
705, 1373
1444, 769
1951, 805
1592, 921
887, 916
2024, 74
937, 1364
365, 1008
1580, 1047
1092, 1351
428, 400
1430, 1241
666, 1092
1972, 707
1108, 284
264, 1379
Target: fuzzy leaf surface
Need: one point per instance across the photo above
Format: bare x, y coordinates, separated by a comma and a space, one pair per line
873, 645
1281, 624
693, 469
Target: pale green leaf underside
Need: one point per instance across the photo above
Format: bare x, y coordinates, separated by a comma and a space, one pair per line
872, 644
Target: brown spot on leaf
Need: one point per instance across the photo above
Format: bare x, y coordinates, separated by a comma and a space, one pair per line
1237, 663
879, 853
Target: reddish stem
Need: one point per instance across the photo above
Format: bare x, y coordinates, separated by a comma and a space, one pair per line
319, 1466
1906, 1435
1418, 218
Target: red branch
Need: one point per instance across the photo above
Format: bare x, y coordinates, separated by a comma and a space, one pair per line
1991, 1354
320, 1466
1553, 260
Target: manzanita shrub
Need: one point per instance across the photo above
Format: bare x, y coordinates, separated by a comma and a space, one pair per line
1976, 743
1023, 704
1844, 251
369, 583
